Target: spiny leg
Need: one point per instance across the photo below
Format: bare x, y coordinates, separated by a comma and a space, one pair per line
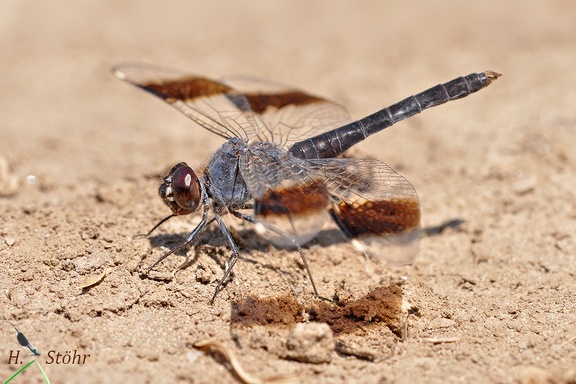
233, 259
193, 242
190, 239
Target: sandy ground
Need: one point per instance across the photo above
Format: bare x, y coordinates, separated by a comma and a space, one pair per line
489, 300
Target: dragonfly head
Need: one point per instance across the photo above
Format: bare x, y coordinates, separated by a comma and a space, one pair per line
180, 190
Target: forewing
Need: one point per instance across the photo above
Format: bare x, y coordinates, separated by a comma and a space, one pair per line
374, 205
289, 115
212, 104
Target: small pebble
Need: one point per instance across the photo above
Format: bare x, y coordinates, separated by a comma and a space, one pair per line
441, 322
524, 185
310, 343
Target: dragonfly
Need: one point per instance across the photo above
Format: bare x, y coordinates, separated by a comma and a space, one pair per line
23, 341
283, 165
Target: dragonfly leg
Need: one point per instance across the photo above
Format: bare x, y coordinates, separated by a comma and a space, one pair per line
190, 239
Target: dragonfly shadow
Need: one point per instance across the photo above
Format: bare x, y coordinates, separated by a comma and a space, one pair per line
247, 239
454, 224
169, 241
329, 237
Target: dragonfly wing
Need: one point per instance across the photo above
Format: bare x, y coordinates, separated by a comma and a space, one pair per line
211, 104
369, 201
373, 205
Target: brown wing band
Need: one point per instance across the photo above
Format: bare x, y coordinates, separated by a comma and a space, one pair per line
260, 101
379, 218
186, 89
299, 200
190, 88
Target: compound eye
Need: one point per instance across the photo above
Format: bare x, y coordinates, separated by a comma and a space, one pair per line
186, 188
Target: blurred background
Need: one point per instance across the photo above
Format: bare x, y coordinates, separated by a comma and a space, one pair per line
66, 119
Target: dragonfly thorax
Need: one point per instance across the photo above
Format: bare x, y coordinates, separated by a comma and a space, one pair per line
224, 181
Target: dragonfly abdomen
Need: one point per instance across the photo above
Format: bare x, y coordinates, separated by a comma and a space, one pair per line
333, 143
